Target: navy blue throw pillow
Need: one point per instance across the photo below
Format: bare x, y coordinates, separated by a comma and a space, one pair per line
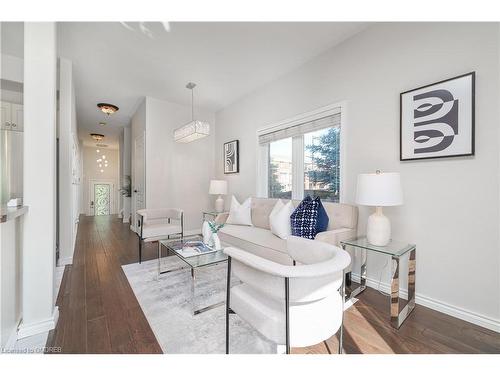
304, 218
322, 222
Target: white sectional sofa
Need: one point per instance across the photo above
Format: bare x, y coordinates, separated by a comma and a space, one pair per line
258, 239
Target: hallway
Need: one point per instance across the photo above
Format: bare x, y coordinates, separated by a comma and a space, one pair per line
99, 312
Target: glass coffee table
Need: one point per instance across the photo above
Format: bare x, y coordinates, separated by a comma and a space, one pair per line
193, 263
396, 250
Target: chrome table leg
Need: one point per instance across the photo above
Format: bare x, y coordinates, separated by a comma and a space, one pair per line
399, 316
159, 259
362, 275
193, 280
341, 335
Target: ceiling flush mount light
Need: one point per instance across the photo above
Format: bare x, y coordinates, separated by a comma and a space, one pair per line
102, 123
107, 108
97, 137
195, 129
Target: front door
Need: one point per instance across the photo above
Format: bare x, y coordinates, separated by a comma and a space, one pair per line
102, 197
101, 202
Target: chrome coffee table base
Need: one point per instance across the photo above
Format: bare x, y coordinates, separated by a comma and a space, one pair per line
170, 252
398, 316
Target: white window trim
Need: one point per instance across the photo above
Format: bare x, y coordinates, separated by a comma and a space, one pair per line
297, 142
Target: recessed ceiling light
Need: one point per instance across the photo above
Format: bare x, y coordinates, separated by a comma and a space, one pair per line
102, 170
104, 156
102, 123
97, 150
107, 108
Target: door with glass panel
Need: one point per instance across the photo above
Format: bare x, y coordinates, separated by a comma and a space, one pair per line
102, 199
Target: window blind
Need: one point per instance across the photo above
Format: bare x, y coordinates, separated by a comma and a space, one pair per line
300, 129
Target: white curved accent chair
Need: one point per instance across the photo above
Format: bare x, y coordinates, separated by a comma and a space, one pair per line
294, 306
158, 224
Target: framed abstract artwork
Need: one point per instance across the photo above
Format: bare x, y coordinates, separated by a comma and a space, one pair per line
231, 157
437, 120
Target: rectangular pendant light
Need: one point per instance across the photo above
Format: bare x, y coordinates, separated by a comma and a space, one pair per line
191, 131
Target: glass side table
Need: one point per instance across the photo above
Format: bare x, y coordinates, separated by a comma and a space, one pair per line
396, 250
212, 213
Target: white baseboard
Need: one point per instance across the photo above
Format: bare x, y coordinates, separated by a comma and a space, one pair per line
26, 330
11, 341
65, 261
431, 303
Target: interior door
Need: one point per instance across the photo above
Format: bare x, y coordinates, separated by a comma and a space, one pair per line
139, 177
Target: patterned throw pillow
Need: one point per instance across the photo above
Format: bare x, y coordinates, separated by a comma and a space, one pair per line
323, 220
304, 218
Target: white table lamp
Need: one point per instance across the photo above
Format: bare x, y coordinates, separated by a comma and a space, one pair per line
379, 190
218, 187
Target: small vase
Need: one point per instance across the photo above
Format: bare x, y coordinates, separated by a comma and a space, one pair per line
216, 240
207, 233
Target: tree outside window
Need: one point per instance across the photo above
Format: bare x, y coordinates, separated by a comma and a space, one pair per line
322, 164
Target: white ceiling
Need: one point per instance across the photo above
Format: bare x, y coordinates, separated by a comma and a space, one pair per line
121, 63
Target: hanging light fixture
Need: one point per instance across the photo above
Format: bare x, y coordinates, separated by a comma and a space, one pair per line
195, 129
107, 108
97, 137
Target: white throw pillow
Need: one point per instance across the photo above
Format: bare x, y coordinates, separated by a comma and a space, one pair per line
279, 219
240, 214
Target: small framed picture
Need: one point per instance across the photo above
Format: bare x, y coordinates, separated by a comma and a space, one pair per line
437, 120
231, 157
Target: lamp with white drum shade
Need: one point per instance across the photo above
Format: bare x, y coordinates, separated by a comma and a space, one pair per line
379, 190
218, 187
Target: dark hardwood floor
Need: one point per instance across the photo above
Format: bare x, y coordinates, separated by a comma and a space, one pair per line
100, 314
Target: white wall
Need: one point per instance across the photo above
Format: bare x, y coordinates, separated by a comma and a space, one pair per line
138, 127
91, 171
68, 163
451, 205
177, 174
38, 259
126, 170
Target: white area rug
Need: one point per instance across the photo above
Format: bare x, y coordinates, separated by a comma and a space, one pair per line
167, 306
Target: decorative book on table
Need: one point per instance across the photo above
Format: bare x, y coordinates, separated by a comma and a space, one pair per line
194, 248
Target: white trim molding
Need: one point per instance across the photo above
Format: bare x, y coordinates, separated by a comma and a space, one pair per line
65, 261
11, 341
431, 303
26, 330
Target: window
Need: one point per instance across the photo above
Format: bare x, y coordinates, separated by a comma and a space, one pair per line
280, 169
322, 164
302, 157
